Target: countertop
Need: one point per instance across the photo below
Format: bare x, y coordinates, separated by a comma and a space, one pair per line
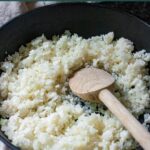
139, 9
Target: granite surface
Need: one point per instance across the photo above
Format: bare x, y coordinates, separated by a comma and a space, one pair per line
139, 9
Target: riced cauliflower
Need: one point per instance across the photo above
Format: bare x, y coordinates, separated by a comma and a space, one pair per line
38, 110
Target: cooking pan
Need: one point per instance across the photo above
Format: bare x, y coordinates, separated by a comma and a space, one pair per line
82, 18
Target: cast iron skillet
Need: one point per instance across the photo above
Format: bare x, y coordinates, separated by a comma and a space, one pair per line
85, 19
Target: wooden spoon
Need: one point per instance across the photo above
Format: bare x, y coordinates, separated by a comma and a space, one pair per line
91, 84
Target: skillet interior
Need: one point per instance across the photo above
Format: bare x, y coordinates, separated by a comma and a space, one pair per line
81, 18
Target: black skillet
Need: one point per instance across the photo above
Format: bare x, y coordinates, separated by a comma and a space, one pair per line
81, 18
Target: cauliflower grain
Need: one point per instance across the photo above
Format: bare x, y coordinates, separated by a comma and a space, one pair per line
38, 110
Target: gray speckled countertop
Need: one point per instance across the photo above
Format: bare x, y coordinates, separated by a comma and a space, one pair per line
139, 9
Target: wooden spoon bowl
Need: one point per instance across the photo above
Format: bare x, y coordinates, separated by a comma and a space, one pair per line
89, 81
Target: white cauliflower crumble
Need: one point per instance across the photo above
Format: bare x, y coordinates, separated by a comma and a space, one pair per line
38, 110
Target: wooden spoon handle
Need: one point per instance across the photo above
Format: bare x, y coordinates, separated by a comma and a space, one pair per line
126, 118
